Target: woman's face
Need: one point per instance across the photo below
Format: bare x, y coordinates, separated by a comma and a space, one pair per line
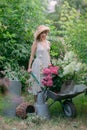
43, 35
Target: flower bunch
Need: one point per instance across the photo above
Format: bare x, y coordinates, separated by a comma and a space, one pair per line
73, 69
52, 79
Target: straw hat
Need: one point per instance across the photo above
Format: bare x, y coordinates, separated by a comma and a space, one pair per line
40, 29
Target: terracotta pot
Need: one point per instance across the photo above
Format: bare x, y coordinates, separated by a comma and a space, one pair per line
23, 109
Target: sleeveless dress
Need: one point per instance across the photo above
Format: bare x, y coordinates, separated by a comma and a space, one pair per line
41, 61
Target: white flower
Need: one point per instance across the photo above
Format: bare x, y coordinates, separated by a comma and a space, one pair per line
69, 56
70, 68
78, 67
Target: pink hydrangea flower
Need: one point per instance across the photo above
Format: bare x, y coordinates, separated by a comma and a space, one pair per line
50, 83
47, 83
44, 82
52, 79
54, 70
46, 71
48, 75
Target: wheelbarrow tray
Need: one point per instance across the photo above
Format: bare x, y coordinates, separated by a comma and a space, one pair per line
77, 89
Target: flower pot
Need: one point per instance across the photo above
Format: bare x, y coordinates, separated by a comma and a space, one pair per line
23, 109
13, 98
10, 104
67, 86
15, 87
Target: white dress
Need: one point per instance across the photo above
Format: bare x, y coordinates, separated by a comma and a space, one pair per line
41, 61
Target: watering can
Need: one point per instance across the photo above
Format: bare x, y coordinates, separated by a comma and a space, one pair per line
41, 106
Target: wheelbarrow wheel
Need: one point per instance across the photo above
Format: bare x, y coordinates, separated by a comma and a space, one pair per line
69, 109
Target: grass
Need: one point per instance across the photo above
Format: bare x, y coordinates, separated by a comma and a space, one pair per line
57, 122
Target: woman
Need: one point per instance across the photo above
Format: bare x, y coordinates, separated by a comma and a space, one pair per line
41, 48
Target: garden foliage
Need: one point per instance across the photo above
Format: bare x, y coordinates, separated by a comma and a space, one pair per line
18, 20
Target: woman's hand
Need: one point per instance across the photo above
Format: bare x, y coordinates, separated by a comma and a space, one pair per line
50, 64
29, 70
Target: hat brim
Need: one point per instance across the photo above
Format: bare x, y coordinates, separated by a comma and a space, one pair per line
40, 31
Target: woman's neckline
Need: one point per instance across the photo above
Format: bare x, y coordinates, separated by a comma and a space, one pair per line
42, 44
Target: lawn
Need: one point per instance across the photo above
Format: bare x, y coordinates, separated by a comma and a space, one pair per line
57, 121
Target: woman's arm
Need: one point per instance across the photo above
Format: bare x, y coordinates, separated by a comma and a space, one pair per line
33, 50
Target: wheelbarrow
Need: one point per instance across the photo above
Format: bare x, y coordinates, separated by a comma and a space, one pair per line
64, 96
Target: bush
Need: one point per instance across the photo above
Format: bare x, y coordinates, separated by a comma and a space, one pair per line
18, 20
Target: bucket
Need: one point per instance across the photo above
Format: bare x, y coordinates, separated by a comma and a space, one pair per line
42, 110
40, 97
41, 106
